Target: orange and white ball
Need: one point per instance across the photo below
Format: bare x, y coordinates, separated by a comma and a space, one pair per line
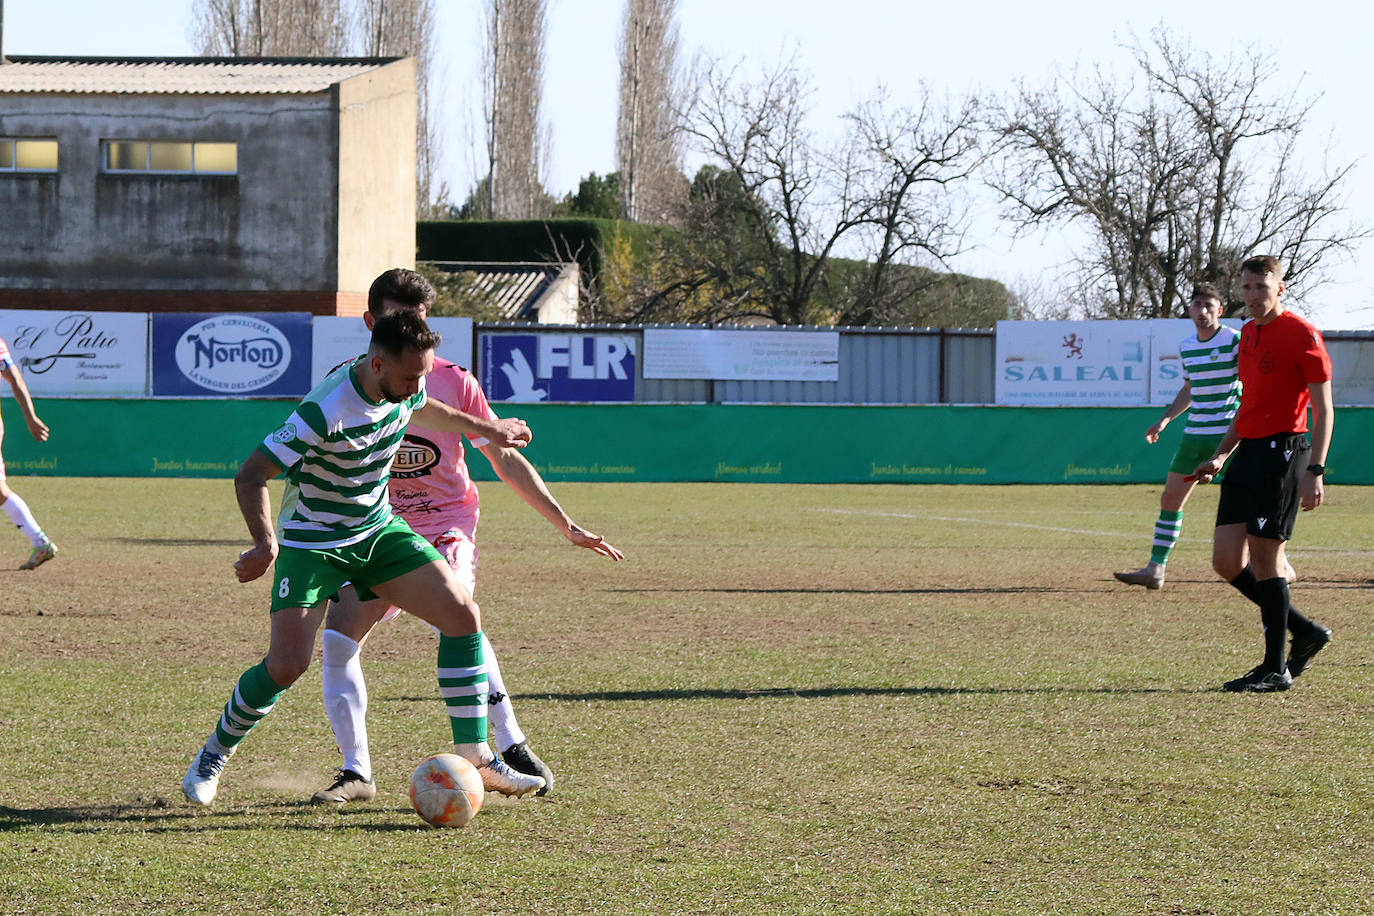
446, 790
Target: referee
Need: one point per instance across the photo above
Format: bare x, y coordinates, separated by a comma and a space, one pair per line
1284, 368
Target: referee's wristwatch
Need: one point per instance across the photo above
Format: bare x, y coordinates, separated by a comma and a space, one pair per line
1316, 470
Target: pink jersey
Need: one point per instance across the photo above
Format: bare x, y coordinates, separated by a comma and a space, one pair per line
430, 486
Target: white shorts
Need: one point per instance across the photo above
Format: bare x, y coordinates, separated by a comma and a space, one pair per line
461, 552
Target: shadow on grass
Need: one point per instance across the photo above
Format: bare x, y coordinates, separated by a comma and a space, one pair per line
807, 693
159, 817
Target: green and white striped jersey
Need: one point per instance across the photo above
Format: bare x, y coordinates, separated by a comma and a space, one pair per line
1210, 368
336, 449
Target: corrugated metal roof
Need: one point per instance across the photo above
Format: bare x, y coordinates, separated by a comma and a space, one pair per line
180, 75
514, 289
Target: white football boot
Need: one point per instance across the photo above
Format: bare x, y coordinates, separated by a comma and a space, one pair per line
202, 778
498, 777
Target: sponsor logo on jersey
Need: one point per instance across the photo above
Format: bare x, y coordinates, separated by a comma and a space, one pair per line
416, 457
285, 434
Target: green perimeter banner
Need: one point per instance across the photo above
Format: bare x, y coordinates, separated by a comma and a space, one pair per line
652, 442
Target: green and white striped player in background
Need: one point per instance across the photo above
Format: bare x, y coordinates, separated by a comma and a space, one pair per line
337, 526
1212, 390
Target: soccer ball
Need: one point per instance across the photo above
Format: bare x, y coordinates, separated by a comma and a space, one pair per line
446, 790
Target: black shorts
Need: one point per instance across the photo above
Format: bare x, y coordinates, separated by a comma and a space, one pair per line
1260, 489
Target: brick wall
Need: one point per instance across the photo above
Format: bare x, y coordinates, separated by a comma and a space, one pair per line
123, 300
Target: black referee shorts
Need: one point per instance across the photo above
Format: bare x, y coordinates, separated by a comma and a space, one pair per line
1260, 489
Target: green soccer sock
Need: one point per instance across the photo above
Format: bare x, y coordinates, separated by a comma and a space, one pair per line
463, 685
254, 696
1166, 536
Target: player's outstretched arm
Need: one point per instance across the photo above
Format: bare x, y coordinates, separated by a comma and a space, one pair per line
521, 476
250, 484
37, 428
508, 433
1180, 403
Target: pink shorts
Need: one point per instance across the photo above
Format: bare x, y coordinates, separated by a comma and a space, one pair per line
461, 552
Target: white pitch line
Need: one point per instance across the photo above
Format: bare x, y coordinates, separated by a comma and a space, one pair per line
986, 521
976, 521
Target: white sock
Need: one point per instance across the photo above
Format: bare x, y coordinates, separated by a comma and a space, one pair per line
19, 513
345, 700
505, 731
475, 754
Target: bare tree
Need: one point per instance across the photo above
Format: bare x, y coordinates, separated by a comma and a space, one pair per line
512, 77
649, 141
1178, 173
405, 28
906, 166
269, 28
784, 191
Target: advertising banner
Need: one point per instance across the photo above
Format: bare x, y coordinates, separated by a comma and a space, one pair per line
1166, 369
1073, 363
763, 356
558, 367
79, 354
260, 355
338, 338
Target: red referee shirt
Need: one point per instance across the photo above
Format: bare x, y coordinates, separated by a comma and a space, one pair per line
1277, 362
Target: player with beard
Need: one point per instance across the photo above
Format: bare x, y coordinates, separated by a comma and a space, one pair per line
337, 526
432, 490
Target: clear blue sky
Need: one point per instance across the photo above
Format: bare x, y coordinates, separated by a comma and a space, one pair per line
850, 48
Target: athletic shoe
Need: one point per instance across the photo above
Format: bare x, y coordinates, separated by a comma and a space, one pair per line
1302, 651
523, 760
40, 555
497, 777
1260, 679
347, 786
202, 779
1151, 579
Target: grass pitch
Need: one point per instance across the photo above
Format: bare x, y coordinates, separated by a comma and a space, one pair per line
787, 699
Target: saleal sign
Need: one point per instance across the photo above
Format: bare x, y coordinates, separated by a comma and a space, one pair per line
235, 355
1073, 362
558, 367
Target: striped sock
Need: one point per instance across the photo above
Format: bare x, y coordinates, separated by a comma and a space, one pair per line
463, 685
1166, 536
254, 696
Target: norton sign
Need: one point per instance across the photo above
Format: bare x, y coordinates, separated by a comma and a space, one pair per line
231, 355
232, 362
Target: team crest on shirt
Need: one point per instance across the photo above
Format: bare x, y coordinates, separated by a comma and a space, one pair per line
285, 434
416, 456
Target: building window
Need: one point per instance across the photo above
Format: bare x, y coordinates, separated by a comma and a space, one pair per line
23, 155
170, 157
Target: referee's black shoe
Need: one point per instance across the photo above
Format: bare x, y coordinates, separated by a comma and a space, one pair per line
1260, 679
1305, 648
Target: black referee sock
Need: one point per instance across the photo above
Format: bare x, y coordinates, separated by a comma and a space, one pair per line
1273, 602
1246, 584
